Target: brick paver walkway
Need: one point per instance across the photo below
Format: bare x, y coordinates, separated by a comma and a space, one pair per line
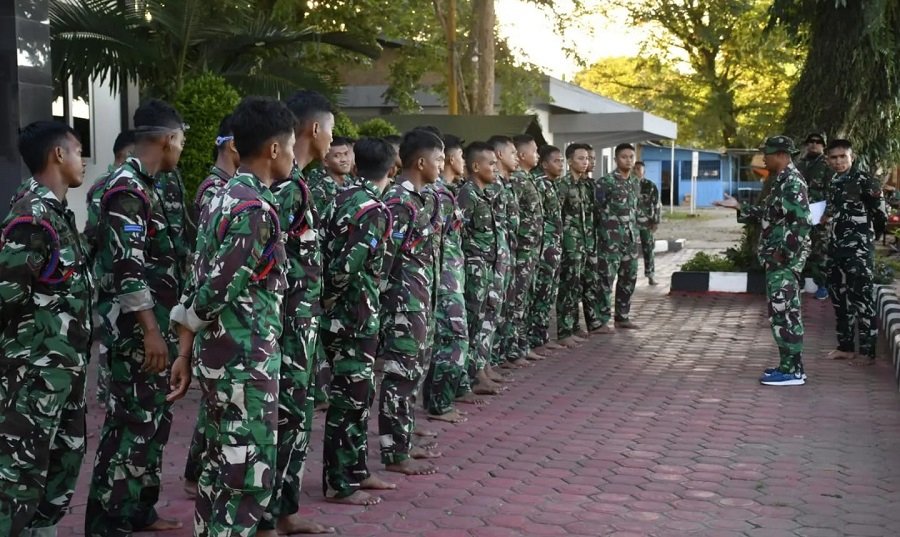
661, 432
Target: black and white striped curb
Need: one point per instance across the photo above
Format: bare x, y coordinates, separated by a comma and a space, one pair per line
719, 282
671, 245
887, 304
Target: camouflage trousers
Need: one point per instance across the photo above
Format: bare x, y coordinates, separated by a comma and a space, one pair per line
403, 337
451, 351
852, 288
102, 372
591, 290
481, 303
239, 464
125, 483
546, 286
817, 262
352, 392
783, 290
570, 293
621, 268
295, 416
520, 298
505, 285
322, 381
42, 444
648, 244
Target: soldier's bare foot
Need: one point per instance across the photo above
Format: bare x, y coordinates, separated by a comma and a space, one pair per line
294, 524
483, 388
190, 489
605, 329
163, 524
412, 467
421, 452
534, 356
553, 346
422, 431
454, 416
266, 533
469, 398
495, 376
841, 355
373, 482
579, 339
322, 407
357, 498
627, 325
583, 334
569, 342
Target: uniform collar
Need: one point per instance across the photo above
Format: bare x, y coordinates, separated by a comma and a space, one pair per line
44, 193
219, 172
136, 164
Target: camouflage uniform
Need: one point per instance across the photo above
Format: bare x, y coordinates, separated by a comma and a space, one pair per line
506, 209
214, 182
648, 217
353, 240
234, 304
405, 308
853, 201
170, 187
480, 245
45, 339
546, 280
616, 206
591, 290
528, 249
574, 208
817, 174
783, 249
451, 349
139, 267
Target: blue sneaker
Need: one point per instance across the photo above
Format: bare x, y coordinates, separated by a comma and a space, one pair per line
777, 378
773, 370
822, 293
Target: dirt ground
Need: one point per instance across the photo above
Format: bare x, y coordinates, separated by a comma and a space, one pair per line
711, 229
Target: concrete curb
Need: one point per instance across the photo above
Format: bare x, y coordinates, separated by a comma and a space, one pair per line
887, 306
671, 245
719, 282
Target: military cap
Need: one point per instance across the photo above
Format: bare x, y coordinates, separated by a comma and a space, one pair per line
816, 137
778, 144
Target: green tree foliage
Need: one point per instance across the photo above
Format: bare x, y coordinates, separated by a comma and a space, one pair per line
377, 128
707, 64
203, 102
344, 126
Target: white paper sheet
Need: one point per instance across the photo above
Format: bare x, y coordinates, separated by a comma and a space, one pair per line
816, 211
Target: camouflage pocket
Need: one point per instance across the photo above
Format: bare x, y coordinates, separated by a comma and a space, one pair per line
248, 410
247, 467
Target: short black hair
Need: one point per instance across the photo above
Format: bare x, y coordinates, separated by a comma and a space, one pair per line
338, 141
307, 105
256, 120
521, 140
37, 139
839, 143
123, 140
154, 116
572, 148
374, 158
472, 150
622, 147
452, 142
416, 142
498, 140
393, 139
640, 163
545, 152
432, 129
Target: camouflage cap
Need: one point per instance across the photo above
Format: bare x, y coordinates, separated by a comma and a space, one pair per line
778, 144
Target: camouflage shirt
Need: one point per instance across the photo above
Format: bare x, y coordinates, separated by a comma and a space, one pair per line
479, 232
817, 174
170, 186
208, 188
92, 202
854, 198
784, 217
504, 220
450, 265
574, 208
234, 298
136, 256
549, 192
530, 210
409, 258
616, 206
324, 188
45, 284
354, 238
648, 212
300, 220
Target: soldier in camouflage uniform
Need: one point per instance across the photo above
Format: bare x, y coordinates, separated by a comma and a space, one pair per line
447, 377
406, 299
574, 209
354, 237
170, 189
546, 281
46, 320
648, 219
591, 294
783, 249
616, 209
817, 174
140, 265
302, 313
230, 320
481, 248
855, 213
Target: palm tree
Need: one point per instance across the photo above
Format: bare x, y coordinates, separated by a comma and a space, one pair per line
161, 43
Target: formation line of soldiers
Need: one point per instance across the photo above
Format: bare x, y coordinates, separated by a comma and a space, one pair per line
441, 261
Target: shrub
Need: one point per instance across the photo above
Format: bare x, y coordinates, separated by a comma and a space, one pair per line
377, 128
343, 126
703, 262
744, 257
202, 102
885, 272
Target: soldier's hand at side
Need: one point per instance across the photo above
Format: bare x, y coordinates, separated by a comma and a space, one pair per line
728, 202
156, 352
180, 378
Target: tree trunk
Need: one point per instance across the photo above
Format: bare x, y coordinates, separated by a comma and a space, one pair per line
484, 19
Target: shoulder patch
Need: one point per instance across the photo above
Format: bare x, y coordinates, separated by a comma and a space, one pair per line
133, 228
